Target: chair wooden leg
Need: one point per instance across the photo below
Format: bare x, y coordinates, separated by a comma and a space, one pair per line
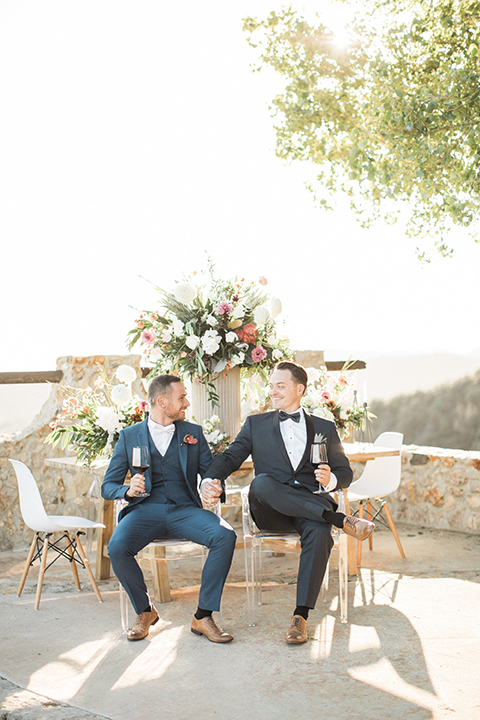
369, 517
156, 555
359, 542
393, 529
70, 550
27, 564
43, 565
81, 552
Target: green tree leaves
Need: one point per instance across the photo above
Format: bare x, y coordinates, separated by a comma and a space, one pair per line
392, 120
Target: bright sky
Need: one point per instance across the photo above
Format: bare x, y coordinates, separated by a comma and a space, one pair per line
134, 138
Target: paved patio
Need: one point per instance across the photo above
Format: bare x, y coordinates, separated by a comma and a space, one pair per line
410, 650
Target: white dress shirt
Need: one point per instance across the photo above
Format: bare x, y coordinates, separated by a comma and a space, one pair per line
161, 435
294, 436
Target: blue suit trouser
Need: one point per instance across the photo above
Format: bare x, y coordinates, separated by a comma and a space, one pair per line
151, 521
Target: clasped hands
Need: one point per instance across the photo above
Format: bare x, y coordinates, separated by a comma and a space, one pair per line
211, 491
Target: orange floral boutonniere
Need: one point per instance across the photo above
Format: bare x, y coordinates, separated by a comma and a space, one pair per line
189, 440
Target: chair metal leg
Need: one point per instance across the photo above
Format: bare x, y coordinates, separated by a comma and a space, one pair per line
325, 584
43, 566
393, 529
71, 552
27, 564
81, 552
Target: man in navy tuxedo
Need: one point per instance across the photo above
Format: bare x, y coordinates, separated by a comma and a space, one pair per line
178, 453
282, 495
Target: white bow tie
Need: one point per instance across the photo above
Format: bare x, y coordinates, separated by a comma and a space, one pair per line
161, 429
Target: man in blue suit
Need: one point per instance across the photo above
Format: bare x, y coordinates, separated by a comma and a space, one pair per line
288, 492
178, 453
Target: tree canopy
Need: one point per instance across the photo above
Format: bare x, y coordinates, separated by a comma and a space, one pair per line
392, 117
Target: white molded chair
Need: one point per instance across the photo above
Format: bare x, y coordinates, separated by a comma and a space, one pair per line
380, 478
254, 538
35, 517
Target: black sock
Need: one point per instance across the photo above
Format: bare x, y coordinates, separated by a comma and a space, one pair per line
200, 614
334, 518
302, 610
147, 609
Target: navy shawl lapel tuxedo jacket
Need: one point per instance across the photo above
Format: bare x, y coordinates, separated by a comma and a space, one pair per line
261, 438
194, 459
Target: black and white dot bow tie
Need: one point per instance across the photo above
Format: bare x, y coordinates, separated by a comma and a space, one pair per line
285, 416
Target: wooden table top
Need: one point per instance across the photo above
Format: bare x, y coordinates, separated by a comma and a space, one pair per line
362, 452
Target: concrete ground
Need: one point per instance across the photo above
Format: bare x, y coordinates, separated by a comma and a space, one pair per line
410, 649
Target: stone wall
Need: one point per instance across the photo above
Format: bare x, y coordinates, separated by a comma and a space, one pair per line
439, 489
63, 492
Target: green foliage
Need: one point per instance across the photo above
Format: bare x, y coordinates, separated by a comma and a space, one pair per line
447, 416
391, 119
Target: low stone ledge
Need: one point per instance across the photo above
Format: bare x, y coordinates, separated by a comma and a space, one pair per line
439, 488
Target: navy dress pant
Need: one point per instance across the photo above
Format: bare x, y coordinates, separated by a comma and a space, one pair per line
150, 521
278, 507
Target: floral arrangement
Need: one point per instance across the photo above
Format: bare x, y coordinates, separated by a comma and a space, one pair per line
331, 395
202, 330
93, 417
217, 440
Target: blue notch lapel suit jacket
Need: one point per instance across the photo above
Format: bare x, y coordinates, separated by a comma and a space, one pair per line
261, 438
195, 458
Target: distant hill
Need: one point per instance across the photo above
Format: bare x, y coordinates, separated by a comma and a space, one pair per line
447, 416
388, 376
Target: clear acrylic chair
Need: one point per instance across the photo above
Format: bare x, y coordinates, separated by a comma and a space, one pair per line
254, 539
44, 526
380, 478
155, 554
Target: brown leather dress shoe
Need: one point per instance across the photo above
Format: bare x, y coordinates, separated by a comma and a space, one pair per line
141, 626
359, 528
208, 627
297, 632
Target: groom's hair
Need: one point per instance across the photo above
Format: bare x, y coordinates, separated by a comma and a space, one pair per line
297, 372
160, 385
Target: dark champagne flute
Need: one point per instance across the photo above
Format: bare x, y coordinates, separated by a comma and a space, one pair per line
140, 463
318, 456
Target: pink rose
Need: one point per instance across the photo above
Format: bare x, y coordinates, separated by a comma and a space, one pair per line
224, 308
263, 280
143, 404
259, 354
325, 396
148, 337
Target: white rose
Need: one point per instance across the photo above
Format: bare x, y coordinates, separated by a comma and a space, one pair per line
121, 394
275, 307
166, 336
261, 315
238, 359
231, 337
108, 419
125, 374
212, 321
155, 353
277, 354
177, 327
192, 341
313, 375
238, 312
185, 293
211, 342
